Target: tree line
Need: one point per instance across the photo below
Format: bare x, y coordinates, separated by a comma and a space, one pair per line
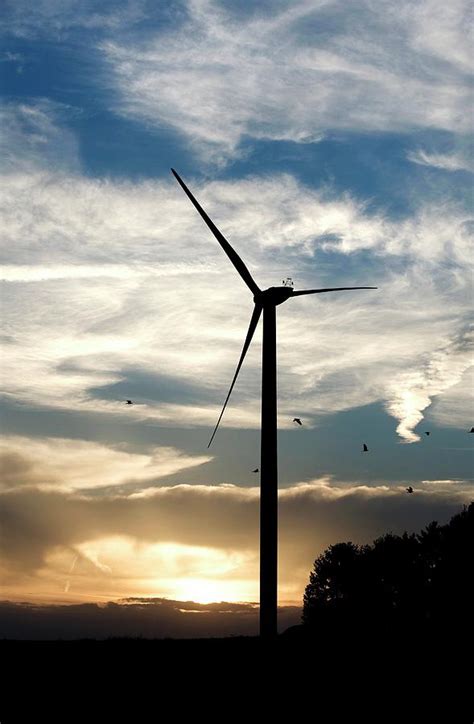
418, 579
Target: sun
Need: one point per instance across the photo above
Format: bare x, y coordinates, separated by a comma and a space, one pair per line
205, 590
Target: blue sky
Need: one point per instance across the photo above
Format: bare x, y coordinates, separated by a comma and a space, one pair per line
330, 142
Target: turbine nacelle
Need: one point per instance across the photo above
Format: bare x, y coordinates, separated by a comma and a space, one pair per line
273, 296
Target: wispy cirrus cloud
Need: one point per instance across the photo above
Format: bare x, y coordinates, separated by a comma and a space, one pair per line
33, 133
444, 161
450, 408
292, 73
111, 253
86, 248
58, 17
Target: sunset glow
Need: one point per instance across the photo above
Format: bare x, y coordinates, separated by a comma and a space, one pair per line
330, 143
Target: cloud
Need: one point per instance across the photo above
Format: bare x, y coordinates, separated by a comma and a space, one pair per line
110, 254
451, 408
27, 273
8, 57
135, 617
445, 161
57, 18
415, 389
34, 133
83, 464
120, 251
194, 541
296, 71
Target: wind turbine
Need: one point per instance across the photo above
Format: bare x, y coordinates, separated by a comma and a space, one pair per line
265, 301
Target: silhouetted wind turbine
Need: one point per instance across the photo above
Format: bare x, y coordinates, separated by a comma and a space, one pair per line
265, 301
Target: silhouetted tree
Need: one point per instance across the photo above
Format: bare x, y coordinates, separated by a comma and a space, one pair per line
407, 579
334, 583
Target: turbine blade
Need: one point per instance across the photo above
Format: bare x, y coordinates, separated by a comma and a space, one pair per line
333, 289
233, 256
252, 326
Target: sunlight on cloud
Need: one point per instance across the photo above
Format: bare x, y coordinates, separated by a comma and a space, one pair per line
197, 542
204, 590
80, 464
26, 273
47, 272
120, 566
113, 288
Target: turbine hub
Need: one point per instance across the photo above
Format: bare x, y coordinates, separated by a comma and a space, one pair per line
273, 295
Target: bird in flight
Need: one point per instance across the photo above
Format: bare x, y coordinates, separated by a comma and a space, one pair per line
256, 470
427, 432
297, 420
472, 429
365, 448
128, 402
409, 489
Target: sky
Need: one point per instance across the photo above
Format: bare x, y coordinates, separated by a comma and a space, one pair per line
330, 142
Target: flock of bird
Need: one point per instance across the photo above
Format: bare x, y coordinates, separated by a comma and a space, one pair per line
297, 420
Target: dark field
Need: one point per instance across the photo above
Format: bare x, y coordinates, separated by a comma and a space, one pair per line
414, 676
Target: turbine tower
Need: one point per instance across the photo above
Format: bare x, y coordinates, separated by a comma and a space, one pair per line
265, 301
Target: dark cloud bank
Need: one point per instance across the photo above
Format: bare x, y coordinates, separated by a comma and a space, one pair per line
35, 522
135, 617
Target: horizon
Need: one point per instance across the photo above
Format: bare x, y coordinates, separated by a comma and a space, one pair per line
331, 145
437, 553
